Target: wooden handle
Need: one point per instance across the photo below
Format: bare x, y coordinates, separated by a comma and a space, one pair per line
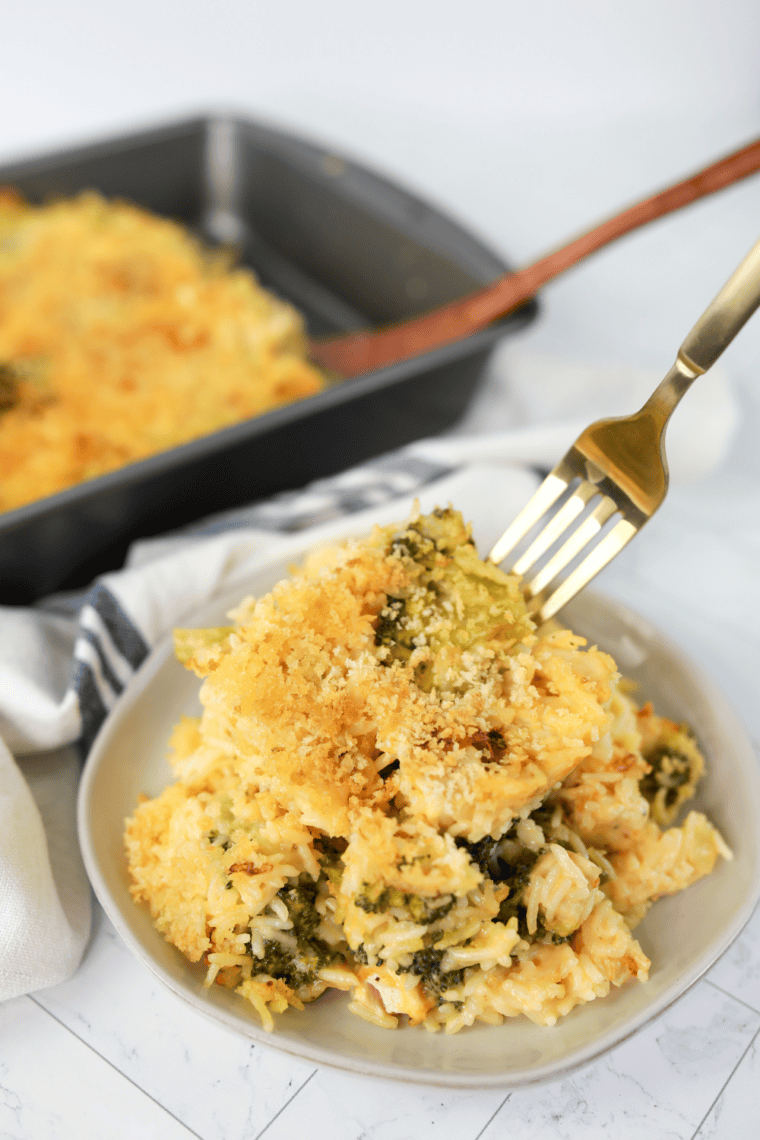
351, 354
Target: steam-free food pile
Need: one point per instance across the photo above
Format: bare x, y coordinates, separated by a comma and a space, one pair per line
401, 788
122, 336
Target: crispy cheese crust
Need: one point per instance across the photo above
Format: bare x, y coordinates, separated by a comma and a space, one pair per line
122, 336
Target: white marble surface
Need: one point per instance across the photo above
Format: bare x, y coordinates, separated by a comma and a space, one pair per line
574, 124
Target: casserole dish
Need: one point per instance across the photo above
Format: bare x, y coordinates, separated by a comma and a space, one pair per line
347, 247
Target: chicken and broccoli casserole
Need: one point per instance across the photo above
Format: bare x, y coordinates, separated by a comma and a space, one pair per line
121, 336
400, 787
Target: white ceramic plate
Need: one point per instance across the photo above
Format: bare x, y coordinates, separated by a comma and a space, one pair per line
683, 935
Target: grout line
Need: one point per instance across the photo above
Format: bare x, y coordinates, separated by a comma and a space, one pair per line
725, 1084
285, 1105
734, 997
111, 1065
492, 1117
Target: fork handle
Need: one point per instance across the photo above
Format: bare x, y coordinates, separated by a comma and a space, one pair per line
723, 319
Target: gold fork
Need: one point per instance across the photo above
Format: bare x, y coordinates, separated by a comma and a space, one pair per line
621, 463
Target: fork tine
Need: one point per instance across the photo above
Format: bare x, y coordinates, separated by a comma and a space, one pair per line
598, 557
581, 536
556, 526
553, 486
623, 459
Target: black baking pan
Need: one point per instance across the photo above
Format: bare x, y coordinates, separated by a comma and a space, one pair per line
349, 248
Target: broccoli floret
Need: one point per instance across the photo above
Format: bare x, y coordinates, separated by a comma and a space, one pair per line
489, 855
296, 970
416, 546
486, 853
299, 968
426, 539
376, 899
427, 965
670, 770
300, 898
277, 961
389, 631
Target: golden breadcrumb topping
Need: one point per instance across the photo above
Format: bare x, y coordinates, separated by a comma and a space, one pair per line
121, 336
